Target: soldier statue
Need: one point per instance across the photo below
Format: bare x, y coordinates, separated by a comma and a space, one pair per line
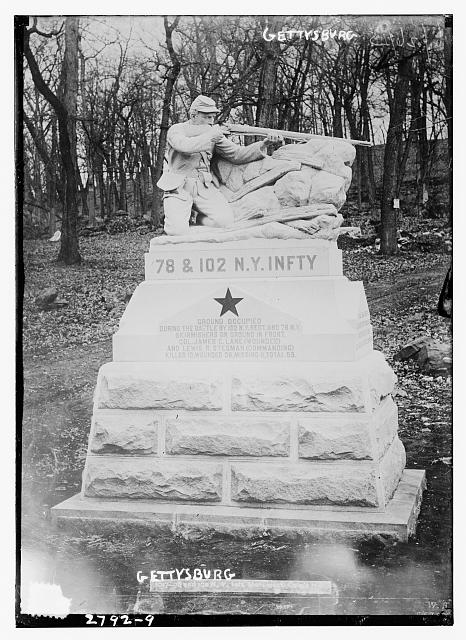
187, 180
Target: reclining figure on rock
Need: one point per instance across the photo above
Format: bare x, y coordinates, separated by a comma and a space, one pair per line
295, 192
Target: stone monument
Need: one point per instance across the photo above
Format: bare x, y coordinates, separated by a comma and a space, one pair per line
244, 392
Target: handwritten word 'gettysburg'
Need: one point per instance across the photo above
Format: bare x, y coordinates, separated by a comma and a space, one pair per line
186, 574
312, 34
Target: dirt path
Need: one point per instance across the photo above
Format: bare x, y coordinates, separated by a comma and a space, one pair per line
409, 287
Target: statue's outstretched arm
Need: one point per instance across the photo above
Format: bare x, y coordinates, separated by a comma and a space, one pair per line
239, 155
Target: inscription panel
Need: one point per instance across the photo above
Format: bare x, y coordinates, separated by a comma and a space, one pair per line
241, 263
229, 323
231, 339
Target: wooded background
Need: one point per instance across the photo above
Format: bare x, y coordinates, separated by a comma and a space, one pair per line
97, 96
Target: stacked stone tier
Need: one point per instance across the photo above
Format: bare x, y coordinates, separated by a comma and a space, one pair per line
289, 435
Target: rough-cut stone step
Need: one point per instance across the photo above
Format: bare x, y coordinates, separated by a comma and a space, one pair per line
296, 393
328, 387
285, 386
348, 437
147, 386
127, 432
152, 478
351, 484
324, 484
335, 439
203, 521
235, 436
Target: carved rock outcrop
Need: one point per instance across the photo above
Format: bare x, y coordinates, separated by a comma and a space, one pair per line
296, 175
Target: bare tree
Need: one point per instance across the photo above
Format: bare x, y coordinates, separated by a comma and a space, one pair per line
393, 148
268, 80
64, 105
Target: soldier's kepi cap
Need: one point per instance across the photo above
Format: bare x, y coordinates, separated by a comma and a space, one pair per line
204, 104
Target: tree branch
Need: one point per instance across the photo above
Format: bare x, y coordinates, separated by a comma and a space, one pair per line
40, 82
34, 29
41, 148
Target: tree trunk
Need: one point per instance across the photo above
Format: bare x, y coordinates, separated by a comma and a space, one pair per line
91, 201
359, 176
135, 182
101, 187
112, 195
84, 193
122, 201
52, 221
88, 198
355, 134
367, 159
419, 122
37, 187
424, 153
295, 123
52, 181
388, 236
145, 175
337, 120
51, 201
403, 155
142, 181
267, 81
116, 195
157, 196
69, 249
139, 195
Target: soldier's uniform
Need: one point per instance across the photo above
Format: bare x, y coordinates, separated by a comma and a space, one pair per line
187, 179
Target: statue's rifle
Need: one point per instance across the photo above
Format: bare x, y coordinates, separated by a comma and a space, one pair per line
246, 130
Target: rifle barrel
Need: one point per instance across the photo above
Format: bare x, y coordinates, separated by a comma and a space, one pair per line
246, 130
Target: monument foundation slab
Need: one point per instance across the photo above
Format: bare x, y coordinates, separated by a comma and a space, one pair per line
396, 522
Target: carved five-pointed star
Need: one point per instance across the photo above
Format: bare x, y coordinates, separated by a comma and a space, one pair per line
228, 303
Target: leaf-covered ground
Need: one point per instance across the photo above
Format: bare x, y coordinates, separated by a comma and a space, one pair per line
95, 290
64, 348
